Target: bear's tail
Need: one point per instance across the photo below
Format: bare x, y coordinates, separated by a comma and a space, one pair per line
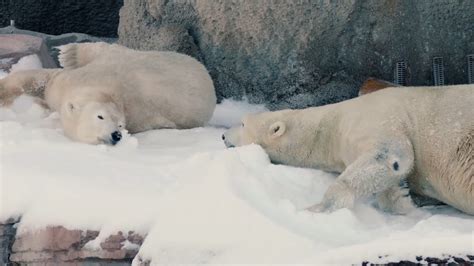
77, 55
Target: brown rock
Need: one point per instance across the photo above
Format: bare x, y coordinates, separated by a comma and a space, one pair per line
373, 84
113, 242
60, 257
31, 256
56, 245
97, 254
53, 238
135, 238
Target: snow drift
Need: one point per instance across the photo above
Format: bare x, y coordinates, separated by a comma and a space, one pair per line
199, 202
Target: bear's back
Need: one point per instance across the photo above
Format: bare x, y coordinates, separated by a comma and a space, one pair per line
171, 84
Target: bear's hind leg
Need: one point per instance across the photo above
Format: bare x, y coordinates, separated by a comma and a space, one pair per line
30, 82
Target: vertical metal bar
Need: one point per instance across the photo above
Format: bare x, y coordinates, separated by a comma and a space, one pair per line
470, 68
400, 73
438, 71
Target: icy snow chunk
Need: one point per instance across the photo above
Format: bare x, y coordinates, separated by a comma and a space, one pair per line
229, 112
3, 74
27, 63
23, 109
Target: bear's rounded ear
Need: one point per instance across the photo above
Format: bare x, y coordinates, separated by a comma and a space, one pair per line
70, 108
277, 129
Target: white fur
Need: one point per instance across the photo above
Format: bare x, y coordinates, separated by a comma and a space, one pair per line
421, 134
136, 89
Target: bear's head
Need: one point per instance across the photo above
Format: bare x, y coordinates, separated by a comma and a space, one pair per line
273, 131
92, 121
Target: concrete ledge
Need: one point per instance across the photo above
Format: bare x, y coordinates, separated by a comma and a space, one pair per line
57, 245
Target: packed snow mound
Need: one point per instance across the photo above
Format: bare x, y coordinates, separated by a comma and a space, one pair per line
26, 63
199, 202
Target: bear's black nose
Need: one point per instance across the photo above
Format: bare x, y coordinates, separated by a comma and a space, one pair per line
116, 136
223, 137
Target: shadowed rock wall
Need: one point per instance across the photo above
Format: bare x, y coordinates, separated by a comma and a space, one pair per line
301, 53
94, 17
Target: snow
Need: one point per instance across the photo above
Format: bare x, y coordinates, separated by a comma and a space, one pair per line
3, 74
26, 63
199, 202
229, 112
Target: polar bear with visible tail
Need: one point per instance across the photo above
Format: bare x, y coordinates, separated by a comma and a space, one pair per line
380, 143
104, 88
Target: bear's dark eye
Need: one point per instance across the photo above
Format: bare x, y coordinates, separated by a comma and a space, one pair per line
100, 117
395, 166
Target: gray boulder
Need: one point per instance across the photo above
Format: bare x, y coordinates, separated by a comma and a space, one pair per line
15, 46
44, 43
303, 53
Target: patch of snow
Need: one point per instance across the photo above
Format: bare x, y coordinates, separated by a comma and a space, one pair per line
94, 244
27, 63
6, 60
23, 109
199, 202
3, 74
127, 245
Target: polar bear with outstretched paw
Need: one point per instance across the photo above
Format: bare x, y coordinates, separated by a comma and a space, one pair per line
383, 143
104, 88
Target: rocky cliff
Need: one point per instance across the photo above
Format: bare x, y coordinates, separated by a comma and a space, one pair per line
302, 53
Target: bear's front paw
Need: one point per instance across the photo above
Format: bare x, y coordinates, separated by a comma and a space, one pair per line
330, 206
317, 208
337, 197
396, 200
